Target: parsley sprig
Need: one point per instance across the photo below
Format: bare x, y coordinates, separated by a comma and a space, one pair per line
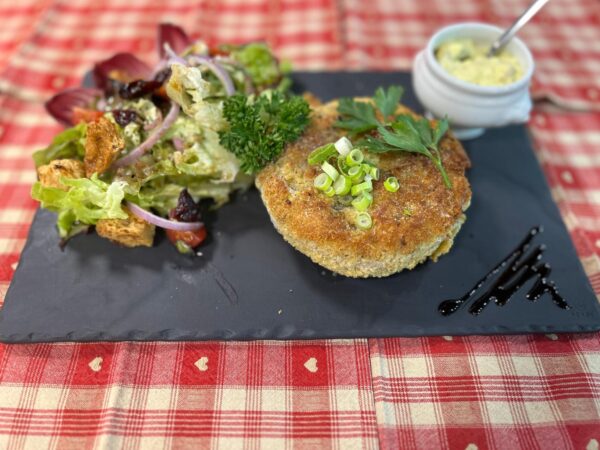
259, 127
390, 132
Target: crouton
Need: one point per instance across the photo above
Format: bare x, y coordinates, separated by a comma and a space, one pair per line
103, 143
49, 174
130, 232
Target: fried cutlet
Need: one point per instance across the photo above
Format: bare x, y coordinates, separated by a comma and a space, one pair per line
417, 222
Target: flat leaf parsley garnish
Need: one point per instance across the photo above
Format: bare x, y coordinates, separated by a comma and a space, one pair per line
389, 132
260, 126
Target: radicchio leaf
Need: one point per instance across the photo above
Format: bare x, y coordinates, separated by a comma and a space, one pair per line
61, 105
124, 67
173, 35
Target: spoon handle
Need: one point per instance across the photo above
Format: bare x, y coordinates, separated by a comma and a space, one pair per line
531, 11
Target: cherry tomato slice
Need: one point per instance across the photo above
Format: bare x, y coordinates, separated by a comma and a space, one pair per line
191, 238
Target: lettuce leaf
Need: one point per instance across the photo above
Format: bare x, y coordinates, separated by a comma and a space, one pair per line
259, 62
195, 95
159, 195
68, 144
87, 201
219, 192
208, 158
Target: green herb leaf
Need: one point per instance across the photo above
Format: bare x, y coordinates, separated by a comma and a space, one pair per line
405, 124
425, 131
440, 130
374, 145
357, 117
387, 102
259, 127
409, 134
405, 133
406, 141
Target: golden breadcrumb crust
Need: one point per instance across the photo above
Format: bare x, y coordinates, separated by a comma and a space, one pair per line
418, 221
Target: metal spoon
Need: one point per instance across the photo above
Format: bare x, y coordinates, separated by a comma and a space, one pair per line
505, 37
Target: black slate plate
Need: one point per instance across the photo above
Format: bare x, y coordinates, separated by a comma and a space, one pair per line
250, 284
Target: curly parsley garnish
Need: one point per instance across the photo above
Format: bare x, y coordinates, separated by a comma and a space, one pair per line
260, 127
390, 132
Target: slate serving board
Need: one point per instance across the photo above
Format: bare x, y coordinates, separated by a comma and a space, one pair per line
250, 284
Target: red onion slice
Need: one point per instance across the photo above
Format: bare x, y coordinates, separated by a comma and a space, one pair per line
156, 122
161, 221
178, 143
61, 105
152, 139
215, 68
174, 58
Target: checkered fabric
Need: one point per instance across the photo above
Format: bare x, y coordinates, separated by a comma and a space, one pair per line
443, 392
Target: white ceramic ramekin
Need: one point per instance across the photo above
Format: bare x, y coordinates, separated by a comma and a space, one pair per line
472, 108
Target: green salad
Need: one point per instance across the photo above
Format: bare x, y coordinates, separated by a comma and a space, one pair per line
151, 146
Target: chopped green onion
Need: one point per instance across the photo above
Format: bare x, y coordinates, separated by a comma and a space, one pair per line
391, 184
365, 186
354, 158
375, 173
362, 202
342, 166
356, 174
322, 182
321, 154
364, 221
330, 191
366, 167
343, 146
342, 185
330, 170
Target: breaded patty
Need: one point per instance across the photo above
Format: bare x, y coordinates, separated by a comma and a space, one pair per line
418, 221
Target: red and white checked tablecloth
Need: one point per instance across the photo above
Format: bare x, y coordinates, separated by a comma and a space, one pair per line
451, 392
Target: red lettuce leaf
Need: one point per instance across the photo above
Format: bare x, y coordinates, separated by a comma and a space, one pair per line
174, 36
61, 105
127, 65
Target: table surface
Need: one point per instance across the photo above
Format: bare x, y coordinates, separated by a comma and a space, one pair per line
443, 392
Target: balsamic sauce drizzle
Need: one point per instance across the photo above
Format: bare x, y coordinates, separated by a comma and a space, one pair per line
517, 268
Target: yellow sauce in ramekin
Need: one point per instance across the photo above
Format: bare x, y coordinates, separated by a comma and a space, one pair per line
467, 61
